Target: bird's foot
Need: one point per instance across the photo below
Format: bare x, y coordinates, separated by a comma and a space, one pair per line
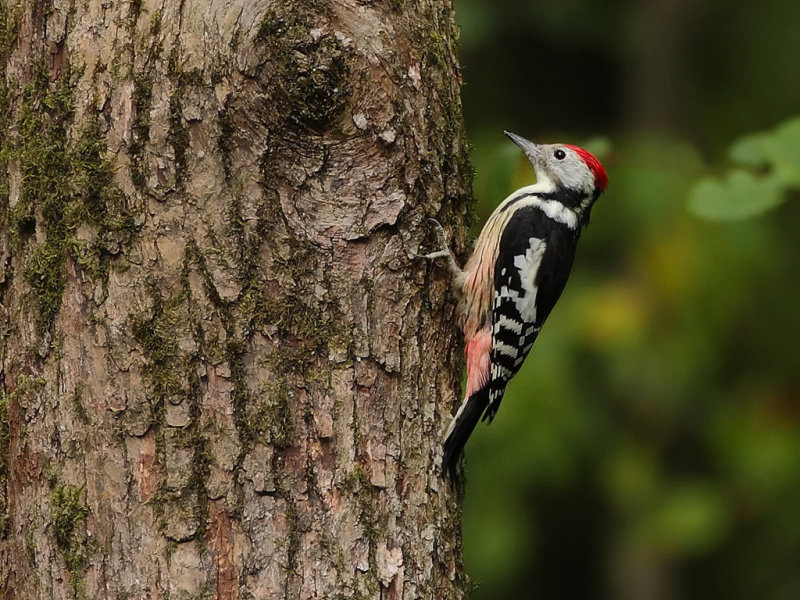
444, 252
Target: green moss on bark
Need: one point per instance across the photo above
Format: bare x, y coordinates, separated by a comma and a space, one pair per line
8, 33
178, 137
66, 182
157, 332
67, 514
171, 375
271, 419
140, 130
225, 140
308, 76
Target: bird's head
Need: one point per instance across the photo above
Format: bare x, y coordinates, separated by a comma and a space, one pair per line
568, 168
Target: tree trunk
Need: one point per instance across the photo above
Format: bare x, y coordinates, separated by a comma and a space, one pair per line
224, 375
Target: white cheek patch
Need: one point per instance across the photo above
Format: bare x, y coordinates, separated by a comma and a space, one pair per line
575, 174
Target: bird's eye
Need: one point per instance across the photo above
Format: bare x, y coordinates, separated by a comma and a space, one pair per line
560, 154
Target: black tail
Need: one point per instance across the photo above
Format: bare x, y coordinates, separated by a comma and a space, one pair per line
465, 422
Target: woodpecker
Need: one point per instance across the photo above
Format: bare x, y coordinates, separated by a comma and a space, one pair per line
516, 274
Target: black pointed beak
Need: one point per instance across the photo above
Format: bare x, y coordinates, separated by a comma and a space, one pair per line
531, 150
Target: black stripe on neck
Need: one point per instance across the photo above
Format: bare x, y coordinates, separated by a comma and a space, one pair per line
569, 197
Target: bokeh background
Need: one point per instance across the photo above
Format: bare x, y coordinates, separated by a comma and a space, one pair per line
650, 447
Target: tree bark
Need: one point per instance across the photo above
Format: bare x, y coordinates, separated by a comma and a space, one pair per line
224, 375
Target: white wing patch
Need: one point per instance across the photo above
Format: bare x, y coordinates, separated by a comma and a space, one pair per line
514, 315
528, 266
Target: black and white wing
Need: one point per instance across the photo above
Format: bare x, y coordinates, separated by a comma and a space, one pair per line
532, 268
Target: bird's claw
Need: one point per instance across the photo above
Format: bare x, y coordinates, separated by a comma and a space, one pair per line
440, 238
445, 249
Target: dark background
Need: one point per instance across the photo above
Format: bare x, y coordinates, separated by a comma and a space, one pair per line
650, 446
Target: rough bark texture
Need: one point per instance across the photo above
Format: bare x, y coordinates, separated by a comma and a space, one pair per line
223, 375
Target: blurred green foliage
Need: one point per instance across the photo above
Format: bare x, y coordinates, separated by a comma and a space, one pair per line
744, 194
650, 446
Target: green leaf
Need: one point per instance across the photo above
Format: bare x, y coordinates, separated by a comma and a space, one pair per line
751, 150
778, 149
784, 151
739, 195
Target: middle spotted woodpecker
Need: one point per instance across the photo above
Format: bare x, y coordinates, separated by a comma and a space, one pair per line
516, 273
